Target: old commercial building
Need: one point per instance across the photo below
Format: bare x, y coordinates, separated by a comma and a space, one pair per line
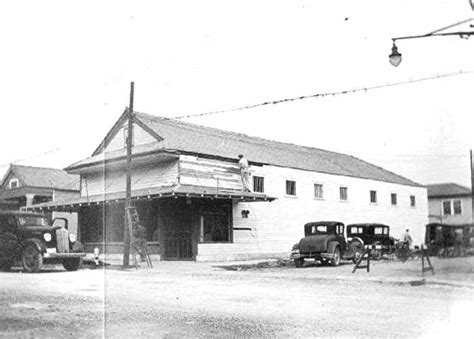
449, 203
186, 185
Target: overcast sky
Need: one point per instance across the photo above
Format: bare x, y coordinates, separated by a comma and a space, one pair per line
66, 69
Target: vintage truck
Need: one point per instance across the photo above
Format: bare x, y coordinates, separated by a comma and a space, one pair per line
325, 241
32, 240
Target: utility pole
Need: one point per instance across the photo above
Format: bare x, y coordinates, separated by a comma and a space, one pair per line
128, 188
472, 188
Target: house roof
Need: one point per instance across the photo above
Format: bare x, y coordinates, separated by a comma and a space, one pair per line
195, 139
30, 176
447, 190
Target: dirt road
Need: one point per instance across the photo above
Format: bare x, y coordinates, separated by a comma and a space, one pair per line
202, 300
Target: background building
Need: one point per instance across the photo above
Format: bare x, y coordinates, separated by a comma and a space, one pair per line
449, 203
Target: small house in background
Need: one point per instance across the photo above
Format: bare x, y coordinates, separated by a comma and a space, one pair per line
449, 203
187, 188
25, 186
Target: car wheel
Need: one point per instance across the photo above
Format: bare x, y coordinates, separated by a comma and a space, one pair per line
357, 255
31, 259
376, 254
299, 262
336, 259
72, 264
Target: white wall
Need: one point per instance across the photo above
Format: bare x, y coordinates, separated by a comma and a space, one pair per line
276, 226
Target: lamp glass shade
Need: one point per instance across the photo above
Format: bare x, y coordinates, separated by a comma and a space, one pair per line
395, 58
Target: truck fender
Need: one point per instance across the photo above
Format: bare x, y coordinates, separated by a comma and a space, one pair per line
36, 242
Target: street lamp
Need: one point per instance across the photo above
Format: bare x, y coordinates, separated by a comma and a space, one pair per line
395, 57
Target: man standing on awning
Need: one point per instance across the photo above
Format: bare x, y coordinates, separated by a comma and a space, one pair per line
244, 173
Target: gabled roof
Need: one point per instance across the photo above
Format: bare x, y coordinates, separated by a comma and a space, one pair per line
30, 176
205, 141
447, 190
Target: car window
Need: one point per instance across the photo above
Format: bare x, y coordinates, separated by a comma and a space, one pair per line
378, 230
319, 229
33, 221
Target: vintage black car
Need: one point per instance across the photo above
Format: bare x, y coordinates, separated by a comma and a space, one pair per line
325, 241
372, 234
30, 239
449, 240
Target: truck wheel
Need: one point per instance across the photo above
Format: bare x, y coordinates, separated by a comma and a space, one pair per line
299, 262
72, 264
31, 259
336, 259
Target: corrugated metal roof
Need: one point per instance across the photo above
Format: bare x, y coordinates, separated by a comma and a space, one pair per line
187, 137
447, 190
45, 177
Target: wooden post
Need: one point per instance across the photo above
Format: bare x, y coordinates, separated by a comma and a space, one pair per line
472, 188
128, 188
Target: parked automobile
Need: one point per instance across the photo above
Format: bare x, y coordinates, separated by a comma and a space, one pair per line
325, 241
449, 240
31, 239
372, 234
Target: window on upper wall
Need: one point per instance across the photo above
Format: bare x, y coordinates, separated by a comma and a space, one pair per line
412, 201
13, 183
457, 207
343, 193
373, 197
393, 198
290, 187
447, 207
258, 184
318, 191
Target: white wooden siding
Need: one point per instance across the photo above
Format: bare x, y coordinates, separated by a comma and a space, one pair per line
153, 175
210, 173
276, 226
140, 137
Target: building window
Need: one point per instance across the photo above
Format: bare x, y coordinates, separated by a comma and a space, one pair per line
412, 201
373, 197
457, 207
290, 187
258, 185
13, 183
318, 191
343, 193
447, 207
393, 197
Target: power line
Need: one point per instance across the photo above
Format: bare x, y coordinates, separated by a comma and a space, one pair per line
322, 95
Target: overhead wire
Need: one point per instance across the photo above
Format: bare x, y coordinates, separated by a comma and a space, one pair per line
325, 94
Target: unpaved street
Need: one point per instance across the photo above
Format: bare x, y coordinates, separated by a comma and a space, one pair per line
186, 299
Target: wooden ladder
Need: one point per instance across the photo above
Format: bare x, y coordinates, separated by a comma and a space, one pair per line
133, 221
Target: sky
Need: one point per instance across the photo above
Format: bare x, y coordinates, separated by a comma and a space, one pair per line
66, 68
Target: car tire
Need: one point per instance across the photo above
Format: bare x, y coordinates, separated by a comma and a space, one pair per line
376, 254
31, 259
357, 255
72, 264
336, 259
299, 262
